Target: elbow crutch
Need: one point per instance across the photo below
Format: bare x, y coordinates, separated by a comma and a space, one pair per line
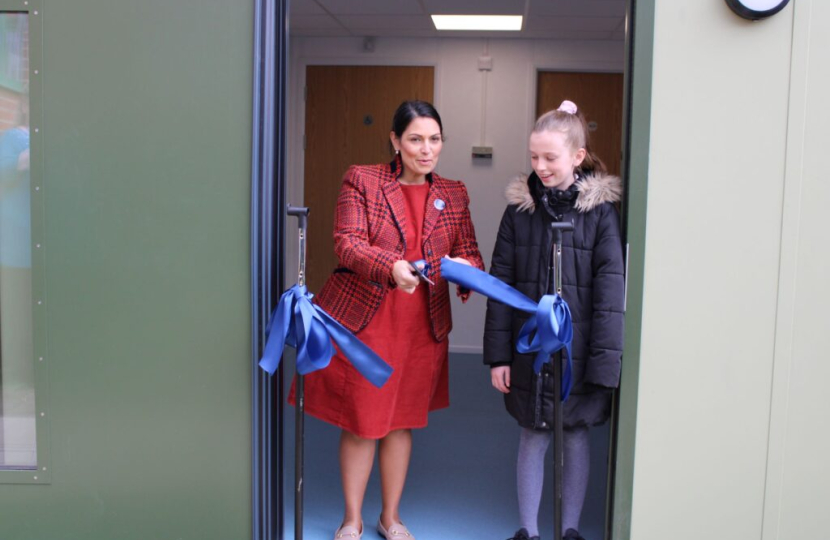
555, 287
301, 213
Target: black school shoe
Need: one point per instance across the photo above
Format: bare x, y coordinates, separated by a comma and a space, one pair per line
572, 534
521, 534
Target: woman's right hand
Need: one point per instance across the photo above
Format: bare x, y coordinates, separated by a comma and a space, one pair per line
403, 277
500, 377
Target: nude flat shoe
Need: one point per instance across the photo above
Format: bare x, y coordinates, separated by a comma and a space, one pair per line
347, 532
397, 531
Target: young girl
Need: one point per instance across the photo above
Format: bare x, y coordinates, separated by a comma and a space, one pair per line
569, 183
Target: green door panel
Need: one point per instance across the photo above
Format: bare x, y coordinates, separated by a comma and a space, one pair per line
145, 152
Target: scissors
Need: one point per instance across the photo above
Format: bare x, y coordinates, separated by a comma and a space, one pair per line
422, 272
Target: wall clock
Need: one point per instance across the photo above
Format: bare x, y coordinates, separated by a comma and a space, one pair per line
755, 10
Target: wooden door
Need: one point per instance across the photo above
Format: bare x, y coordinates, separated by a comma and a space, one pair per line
348, 118
599, 96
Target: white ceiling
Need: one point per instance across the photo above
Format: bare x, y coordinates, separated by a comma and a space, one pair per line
544, 19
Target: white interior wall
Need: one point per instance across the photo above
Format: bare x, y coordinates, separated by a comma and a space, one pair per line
510, 111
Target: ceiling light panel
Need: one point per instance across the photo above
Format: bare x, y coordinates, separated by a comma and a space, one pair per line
478, 22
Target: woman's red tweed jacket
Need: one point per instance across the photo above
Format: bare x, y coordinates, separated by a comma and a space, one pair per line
369, 238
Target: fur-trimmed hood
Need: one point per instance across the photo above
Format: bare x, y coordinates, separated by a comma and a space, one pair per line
594, 190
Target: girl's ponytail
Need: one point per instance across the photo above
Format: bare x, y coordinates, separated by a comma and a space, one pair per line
592, 163
569, 120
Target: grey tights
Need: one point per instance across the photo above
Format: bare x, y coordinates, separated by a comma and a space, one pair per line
530, 471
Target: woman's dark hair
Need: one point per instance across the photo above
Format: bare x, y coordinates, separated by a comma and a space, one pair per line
409, 111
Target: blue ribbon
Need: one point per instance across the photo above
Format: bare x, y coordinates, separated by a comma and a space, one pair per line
549, 331
299, 323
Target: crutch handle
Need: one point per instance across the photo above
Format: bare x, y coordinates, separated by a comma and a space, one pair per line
558, 227
301, 212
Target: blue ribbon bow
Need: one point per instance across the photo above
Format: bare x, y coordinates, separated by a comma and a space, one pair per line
299, 323
551, 328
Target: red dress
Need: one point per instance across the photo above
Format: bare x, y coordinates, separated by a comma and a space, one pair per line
400, 334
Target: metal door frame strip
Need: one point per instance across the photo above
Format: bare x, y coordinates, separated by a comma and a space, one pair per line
267, 253
41, 472
639, 48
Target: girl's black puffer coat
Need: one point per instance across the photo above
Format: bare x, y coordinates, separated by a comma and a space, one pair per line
593, 286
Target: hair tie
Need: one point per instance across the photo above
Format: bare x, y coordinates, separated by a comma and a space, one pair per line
568, 107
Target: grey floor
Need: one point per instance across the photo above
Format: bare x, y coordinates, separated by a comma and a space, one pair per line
461, 482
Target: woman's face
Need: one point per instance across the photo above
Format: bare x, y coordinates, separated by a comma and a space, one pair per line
420, 145
553, 159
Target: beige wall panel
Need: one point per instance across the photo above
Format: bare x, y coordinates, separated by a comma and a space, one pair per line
798, 485
717, 160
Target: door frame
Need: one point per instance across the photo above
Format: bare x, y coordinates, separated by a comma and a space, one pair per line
268, 245
639, 49
268, 151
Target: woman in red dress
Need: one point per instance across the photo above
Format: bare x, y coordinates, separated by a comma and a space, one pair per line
389, 216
